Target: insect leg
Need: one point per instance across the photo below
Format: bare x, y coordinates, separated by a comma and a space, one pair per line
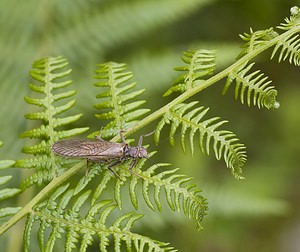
132, 164
122, 136
87, 168
100, 135
114, 164
131, 167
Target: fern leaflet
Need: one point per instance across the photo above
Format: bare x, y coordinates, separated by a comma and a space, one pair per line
289, 45
50, 75
7, 192
290, 49
64, 214
199, 64
225, 143
116, 99
252, 87
292, 21
256, 39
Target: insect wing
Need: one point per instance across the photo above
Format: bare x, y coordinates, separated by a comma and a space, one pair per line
81, 147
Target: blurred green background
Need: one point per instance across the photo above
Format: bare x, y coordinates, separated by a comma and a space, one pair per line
258, 214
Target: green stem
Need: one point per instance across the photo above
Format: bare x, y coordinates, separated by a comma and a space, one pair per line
41, 195
214, 79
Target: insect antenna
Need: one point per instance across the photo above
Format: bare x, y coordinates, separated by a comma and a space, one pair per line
142, 136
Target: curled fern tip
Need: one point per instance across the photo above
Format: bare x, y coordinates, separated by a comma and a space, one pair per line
276, 105
294, 10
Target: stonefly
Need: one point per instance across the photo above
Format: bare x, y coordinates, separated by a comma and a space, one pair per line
99, 150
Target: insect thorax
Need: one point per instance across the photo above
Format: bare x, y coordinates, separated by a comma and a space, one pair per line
135, 152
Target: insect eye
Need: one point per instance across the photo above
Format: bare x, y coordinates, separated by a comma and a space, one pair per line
125, 148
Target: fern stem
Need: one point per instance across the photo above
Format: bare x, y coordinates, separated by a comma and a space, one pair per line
41, 195
214, 79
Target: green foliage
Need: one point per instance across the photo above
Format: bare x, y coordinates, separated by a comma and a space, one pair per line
180, 194
290, 44
7, 192
252, 87
64, 205
225, 143
71, 215
255, 39
50, 75
199, 64
116, 99
62, 28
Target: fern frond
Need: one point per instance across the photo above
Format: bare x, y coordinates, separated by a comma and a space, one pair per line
180, 194
255, 39
289, 48
65, 215
224, 143
7, 192
199, 64
39, 178
292, 21
117, 99
50, 75
252, 87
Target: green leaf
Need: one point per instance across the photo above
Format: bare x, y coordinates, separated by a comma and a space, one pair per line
6, 163
118, 104
225, 144
7, 192
256, 39
64, 215
252, 87
199, 64
180, 194
289, 48
49, 76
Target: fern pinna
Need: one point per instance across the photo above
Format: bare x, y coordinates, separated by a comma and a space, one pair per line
117, 105
290, 43
6, 193
199, 64
225, 143
253, 87
50, 76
